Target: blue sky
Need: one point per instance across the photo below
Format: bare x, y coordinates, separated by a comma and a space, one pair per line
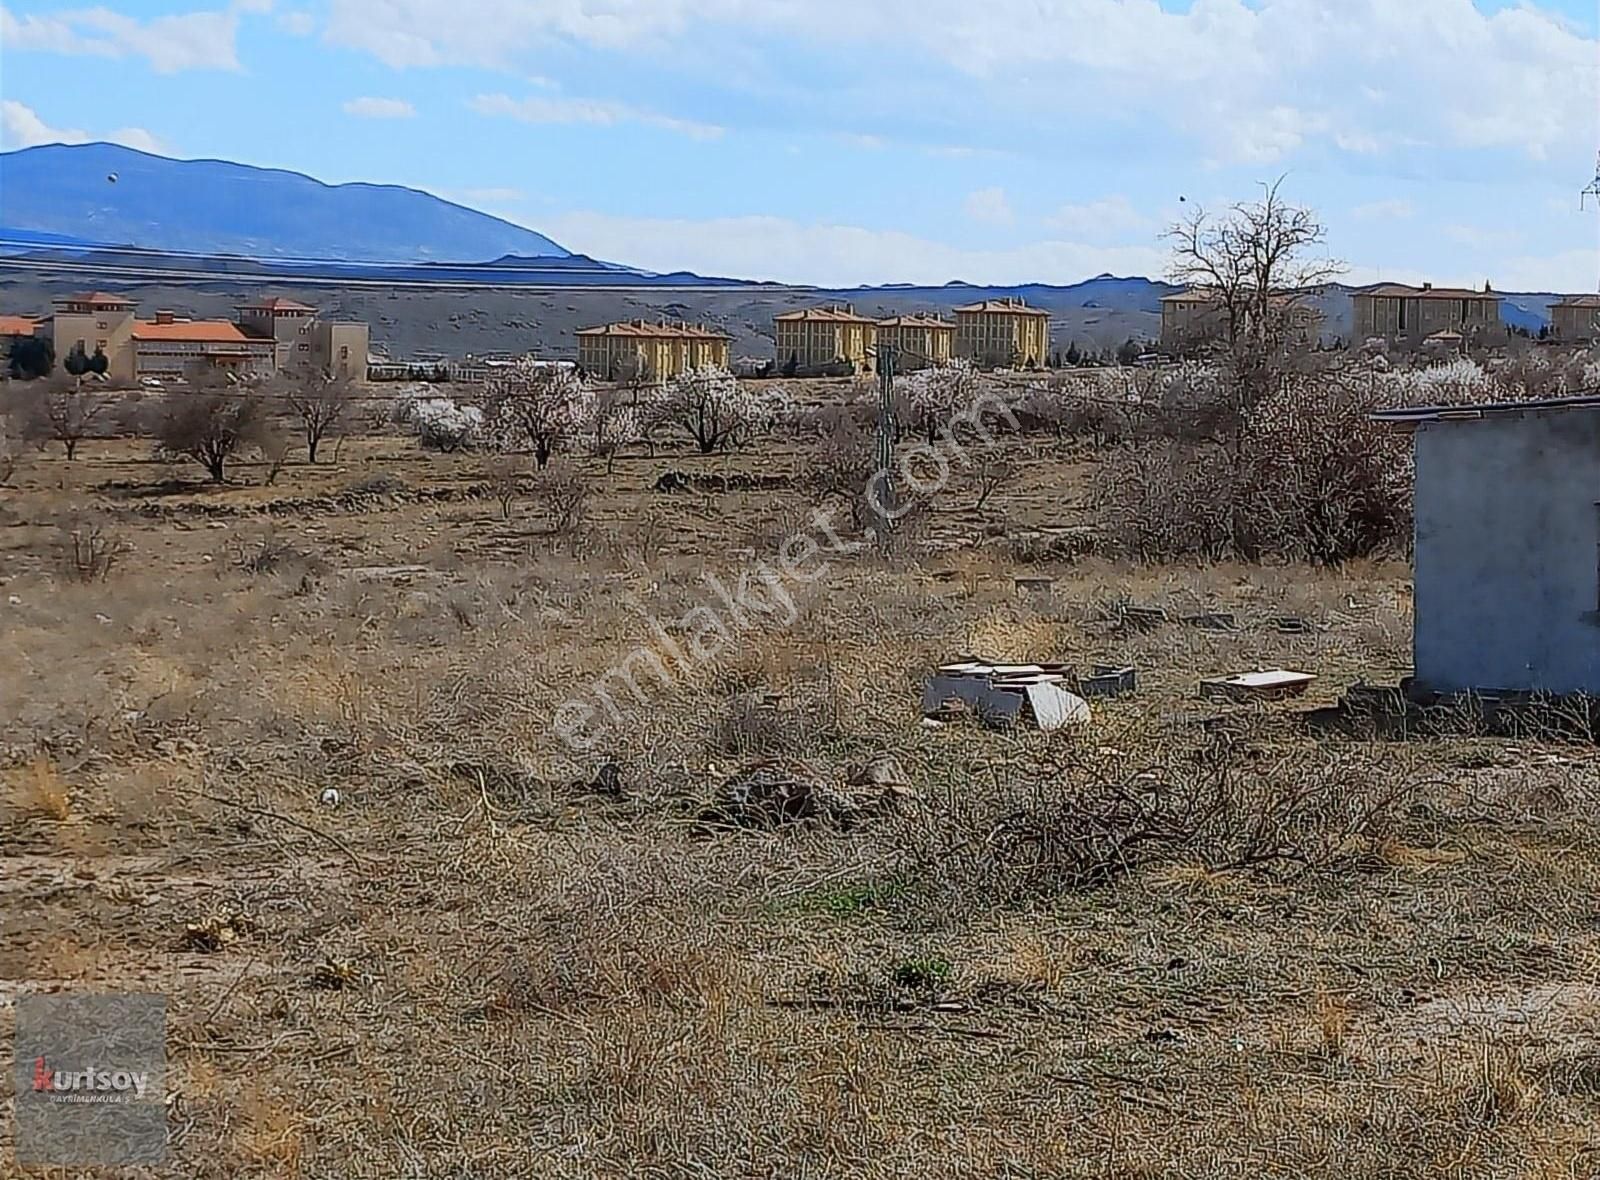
853, 141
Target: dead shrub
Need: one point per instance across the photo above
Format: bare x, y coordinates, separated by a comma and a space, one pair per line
38, 789
89, 548
504, 479
1094, 819
844, 461
562, 494
752, 725
1305, 475
272, 554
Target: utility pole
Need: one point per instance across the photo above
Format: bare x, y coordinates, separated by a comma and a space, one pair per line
883, 494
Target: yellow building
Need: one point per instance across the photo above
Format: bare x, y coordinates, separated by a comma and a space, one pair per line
919, 341
1003, 332
822, 337
654, 352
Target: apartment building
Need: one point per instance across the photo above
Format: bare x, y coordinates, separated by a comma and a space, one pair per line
1409, 315
1196, 317
302, 340
919, 341
168, 346
653, 352
998, 333
818, 338
1575, 319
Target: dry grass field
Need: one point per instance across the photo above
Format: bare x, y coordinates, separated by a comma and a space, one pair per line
1196, 939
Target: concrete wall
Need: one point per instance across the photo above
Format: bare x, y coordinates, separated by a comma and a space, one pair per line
1508, 553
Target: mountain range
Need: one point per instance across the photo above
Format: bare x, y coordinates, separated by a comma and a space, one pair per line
193, 233
105, 193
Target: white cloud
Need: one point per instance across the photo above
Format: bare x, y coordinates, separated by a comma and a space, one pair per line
1104, 220
989, 205
380, 108
586, 110
1394, 209
1569, 270
170, 43
297, 24
1481, 236
21, 127
832, 255
1246, 81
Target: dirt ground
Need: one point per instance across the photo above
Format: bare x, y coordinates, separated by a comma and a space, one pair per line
1336, 955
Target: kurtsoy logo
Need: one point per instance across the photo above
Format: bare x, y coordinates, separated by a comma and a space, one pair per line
88, 1085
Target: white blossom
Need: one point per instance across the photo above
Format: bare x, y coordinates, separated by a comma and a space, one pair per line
443, 425
714, 408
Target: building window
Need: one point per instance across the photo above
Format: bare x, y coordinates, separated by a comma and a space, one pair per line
303, 347
344, 352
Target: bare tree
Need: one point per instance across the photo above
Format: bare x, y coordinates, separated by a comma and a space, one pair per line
65, 413
991, 474
10, 456
322, 403
209, 424
505, 481
1260, 265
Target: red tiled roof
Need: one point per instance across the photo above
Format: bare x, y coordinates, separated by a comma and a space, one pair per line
193, 332
1009, 306
276, 304
1400, 290
17, 325
822, 315
96, 297
920, 320
641, 329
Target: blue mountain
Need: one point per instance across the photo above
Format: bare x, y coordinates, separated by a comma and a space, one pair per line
104, 193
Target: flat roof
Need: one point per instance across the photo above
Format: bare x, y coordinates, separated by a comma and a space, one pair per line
1411, 415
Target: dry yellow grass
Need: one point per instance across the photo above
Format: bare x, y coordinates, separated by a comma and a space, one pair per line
542, 979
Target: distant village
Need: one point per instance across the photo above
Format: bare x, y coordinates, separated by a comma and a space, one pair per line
102, 334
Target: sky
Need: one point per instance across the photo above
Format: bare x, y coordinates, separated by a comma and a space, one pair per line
839, 142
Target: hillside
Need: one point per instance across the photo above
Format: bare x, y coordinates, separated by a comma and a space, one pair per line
213, 206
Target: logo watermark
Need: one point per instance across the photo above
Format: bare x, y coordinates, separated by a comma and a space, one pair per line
89, 1079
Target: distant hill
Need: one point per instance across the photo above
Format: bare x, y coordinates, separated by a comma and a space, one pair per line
216, 207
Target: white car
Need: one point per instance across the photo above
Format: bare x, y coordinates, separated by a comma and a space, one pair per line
151, 383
